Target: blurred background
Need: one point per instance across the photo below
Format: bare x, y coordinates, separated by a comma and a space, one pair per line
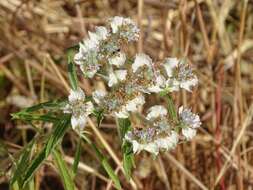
215, 35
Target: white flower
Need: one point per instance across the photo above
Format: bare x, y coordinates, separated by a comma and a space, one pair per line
149, 147
101, 33
121, 74
187, 84
172, 85
116, 76
190, 121
169, 65
168, 142
79, 109
76, 95
141, 60
133, 104
154, 89
159, 84
98, 95
130, 31
188, 118
123, 113
118, 60
116, 22
156, 111
189, 133
112, 79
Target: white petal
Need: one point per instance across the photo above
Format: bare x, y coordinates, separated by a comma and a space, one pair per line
156, 111
118, 60
152, 148
121, 74
122, 114
162, 143
189, 133
78, 58
91, 44
136, 146
169, 65
116, 22
154, 89
112, 79
78, 122
98, 95
189, 83
101, 32
133, 104
141, 60
76, 95
173, 139
89, 108
180, 110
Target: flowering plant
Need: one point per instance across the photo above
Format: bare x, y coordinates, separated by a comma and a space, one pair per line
129, 81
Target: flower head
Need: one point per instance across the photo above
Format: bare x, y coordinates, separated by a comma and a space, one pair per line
79, 109
190, 122
116, 76
125, 27
140, 61
130, 106
150, 140
156, 111
118, 60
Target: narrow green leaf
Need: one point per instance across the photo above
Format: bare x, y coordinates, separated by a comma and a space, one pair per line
99, 116
77, 157
111, 173
128, 159
123, 125
128, 162
63, 170
72, 71
22, 163
26, 116
171, 108
104, 162
60, 128
33, 167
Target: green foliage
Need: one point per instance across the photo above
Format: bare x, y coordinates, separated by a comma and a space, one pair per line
77, 157
124, 125
25, 168
22, 164
72, 70
99, 116
171, 108
63, 170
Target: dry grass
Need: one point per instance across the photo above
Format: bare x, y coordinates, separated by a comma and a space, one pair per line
216, 36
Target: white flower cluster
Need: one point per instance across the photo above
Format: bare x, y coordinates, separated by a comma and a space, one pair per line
79, 109
163, 134
129, 80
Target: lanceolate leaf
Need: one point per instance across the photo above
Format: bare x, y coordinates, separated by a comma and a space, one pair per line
22, 164
77, 157
124, 125
128, 159
171, 108
72, 71
60, 128
63, 170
